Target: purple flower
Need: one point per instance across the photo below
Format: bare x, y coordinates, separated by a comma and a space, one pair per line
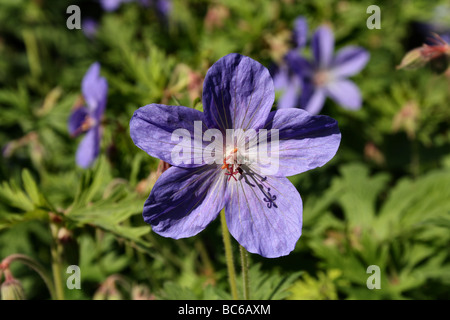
263, 211
87, 119
290, 84
112, 5
300, 32
162, 6
89, 27
326, 75
285, 80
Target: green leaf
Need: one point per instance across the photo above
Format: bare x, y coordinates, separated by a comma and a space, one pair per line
270, 286
31, 188
357, 193
414, 204
12, 195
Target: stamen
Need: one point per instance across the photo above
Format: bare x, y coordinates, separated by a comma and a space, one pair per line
87, 123
262, 185
230, 167
270, 199
321, 78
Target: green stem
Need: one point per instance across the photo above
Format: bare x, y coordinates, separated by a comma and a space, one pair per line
229, 256
33, 265
56, 253
245, 279
206, 261
32, 51
415, 159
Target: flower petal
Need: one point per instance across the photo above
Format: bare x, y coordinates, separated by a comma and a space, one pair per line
290, 96
95, 90
164, 7
280, 77
349, 61
345, 93
184, 201
152, 126
238, 93
289, 86
323, 46
76, 119
111, 5
312, 98
89, 148
300, 32
305, 141
301, 66
265, 219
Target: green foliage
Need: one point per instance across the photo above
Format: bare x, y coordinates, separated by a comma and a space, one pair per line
264, 286
383, 199
323, 288
404, 232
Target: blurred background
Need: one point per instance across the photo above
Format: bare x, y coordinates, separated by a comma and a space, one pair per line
383, 200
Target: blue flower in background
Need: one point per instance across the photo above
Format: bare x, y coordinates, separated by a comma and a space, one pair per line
284, 78
300, 32
87, 119
89, 27
323, 76
162, 6
438, 23
112, 5
263, 212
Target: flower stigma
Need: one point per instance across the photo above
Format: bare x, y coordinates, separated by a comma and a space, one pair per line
87, 124
232, 156
321, 78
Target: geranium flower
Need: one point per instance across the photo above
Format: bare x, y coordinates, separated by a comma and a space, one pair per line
89, 27
87, 119
285, 80
112, 5
263, 211
162, 6
325, 75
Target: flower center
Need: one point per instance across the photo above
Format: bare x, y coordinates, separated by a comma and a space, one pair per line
320, 78
231, 165
87, 124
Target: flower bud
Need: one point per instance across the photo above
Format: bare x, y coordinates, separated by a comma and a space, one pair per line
107, 294
414, 59
216, 16
372, 153
406, 119
12, 289
64, 235
100, 294
141, 292
108, 291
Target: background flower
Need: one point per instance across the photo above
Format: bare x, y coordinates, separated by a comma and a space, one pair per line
89, 27
323, 76
163, 7
87, 119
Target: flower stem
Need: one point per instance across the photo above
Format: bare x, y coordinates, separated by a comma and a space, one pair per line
56, 253
245, 279
33, 265
229, 256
